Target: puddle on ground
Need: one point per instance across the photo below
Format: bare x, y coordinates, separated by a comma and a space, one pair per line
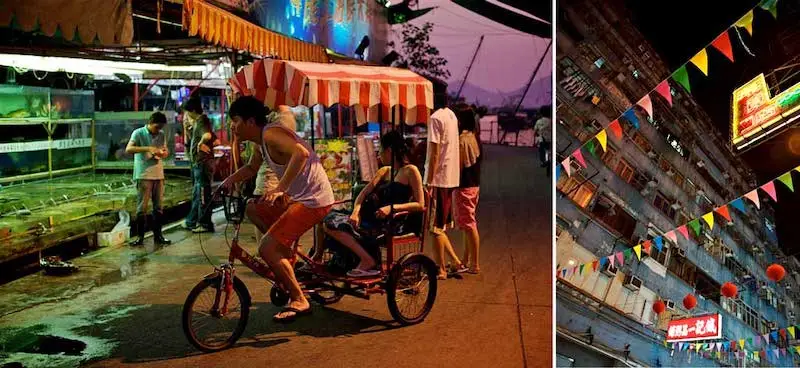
132, 267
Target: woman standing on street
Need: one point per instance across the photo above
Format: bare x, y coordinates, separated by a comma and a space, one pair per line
465, 197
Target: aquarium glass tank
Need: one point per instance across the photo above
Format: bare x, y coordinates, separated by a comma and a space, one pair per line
22, 102
71, 104
113, 131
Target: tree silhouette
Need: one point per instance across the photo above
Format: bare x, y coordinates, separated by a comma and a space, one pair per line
417, 53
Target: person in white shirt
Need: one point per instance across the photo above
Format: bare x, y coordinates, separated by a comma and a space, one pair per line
544, 134
442, 176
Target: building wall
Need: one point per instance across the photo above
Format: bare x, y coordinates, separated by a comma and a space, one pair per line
602, 51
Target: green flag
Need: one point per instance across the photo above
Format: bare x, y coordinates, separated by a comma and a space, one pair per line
682, 76
695, 225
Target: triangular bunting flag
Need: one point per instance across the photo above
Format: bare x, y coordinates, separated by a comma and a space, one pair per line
746, 22
671, 236
566, 163
647, 104
709, 219
646, 246
579, 156
695, 225
774, 335
564, 273
738, 204
638, 250
664, 90
611, 259
758, 340
782, 332
700, 60
581, 270
628, 253
574, 270
723, 211
771, 6
766, 338
558, 172
616, 129
595, 264
791, 331
786, 179
602, 137
660, 242
783, 351
620, 258
631, 117
590, 147
682, 77
603, 261
769, 187
698, 347
684, 231
723, 44
753, 197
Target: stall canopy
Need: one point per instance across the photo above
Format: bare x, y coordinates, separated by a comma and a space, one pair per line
108, 21
372, 90
220, 27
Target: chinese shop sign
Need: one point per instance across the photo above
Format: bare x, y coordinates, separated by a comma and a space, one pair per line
707, 327
756, 114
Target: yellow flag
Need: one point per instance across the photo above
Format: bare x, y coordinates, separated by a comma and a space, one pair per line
638, 250
603, 138
709, 218
701, 61
746, 22
741, 343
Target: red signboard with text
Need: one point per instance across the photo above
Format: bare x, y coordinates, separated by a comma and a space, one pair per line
706, 327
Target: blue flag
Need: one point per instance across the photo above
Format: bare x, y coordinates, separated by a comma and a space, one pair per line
659, 243
630, 116
738, 204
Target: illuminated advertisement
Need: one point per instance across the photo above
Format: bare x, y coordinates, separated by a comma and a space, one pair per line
707, 327
336, 24
756, 114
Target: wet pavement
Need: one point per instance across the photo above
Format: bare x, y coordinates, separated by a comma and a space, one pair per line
124, 306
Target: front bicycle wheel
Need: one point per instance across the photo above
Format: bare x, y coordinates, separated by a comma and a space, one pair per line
411, 288
205, 324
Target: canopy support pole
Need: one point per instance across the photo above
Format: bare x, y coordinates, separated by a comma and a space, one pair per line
536, 71
469, 68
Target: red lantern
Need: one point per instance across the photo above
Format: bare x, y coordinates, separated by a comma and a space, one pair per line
659, 307
689, 301
776, 272
729, 290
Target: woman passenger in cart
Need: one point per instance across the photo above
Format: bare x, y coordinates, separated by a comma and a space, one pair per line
301, 200
382, 196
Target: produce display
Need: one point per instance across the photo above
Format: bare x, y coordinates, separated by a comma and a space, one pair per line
34, 214
336, 158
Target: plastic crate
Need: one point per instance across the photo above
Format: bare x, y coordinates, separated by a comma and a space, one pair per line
114, 238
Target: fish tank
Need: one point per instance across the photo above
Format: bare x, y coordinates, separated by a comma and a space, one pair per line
113, 131
71, 104
23, 102
72, 145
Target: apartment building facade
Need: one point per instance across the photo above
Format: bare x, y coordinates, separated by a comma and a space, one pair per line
674, 168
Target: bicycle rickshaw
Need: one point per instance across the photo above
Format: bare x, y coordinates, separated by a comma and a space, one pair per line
407, 277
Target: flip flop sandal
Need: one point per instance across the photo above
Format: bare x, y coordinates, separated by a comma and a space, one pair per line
460, 269
291, 318
363, 273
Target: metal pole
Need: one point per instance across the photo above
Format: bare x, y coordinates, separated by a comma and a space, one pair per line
535, 71
470, 67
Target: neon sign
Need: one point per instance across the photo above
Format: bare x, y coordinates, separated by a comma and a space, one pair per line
692, 329
754, 111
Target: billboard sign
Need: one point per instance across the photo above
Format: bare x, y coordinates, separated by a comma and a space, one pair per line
706, 327
757, 115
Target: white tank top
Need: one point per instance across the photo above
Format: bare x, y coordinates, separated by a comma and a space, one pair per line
311, 187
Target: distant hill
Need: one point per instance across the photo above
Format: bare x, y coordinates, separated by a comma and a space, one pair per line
539, 94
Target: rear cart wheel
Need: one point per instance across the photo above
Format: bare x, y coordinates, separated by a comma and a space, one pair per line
411, 288
328, 297
204, 324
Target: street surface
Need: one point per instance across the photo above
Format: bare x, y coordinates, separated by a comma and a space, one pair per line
123, 308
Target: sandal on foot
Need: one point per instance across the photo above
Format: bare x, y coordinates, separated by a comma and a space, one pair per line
363, 273
474, 271
461, 268
442, 276
292, 317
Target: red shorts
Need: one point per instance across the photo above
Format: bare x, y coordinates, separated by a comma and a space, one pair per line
465, 201
288, 221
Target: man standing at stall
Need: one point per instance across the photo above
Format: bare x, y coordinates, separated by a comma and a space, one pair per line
148, 144
442, 175
201, 155
301, 200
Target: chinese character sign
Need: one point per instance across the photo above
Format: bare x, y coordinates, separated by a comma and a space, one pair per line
697, 328
756, 113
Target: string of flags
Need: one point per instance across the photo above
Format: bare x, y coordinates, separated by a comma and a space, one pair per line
738, 349
721, 43
619, 258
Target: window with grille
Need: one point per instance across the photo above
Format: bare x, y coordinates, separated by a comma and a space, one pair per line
577, 84
624, 170
641, 141
664, 205
577, 188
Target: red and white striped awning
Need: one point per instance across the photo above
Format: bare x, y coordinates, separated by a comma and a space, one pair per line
373, 91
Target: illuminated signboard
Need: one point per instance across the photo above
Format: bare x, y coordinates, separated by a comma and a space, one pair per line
756, 114
707, 327
336, 24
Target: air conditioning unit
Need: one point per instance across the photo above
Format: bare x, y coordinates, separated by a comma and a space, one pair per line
772, 325
729, 254
676, 206
632, 282
652, 183
670, 304
701, 164
680, 252
651, 154
609, 270
700, 192
670, 173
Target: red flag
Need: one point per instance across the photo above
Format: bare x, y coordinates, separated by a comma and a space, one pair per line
616, 129
647, 105
594, 265
579, 156
770, 189
646, 246
684, 231
723, 45
664, 90
723, 211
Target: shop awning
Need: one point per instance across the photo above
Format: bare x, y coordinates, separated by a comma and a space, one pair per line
372, 90
223, 28
109, 21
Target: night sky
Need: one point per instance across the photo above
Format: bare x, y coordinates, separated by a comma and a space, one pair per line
678, 29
